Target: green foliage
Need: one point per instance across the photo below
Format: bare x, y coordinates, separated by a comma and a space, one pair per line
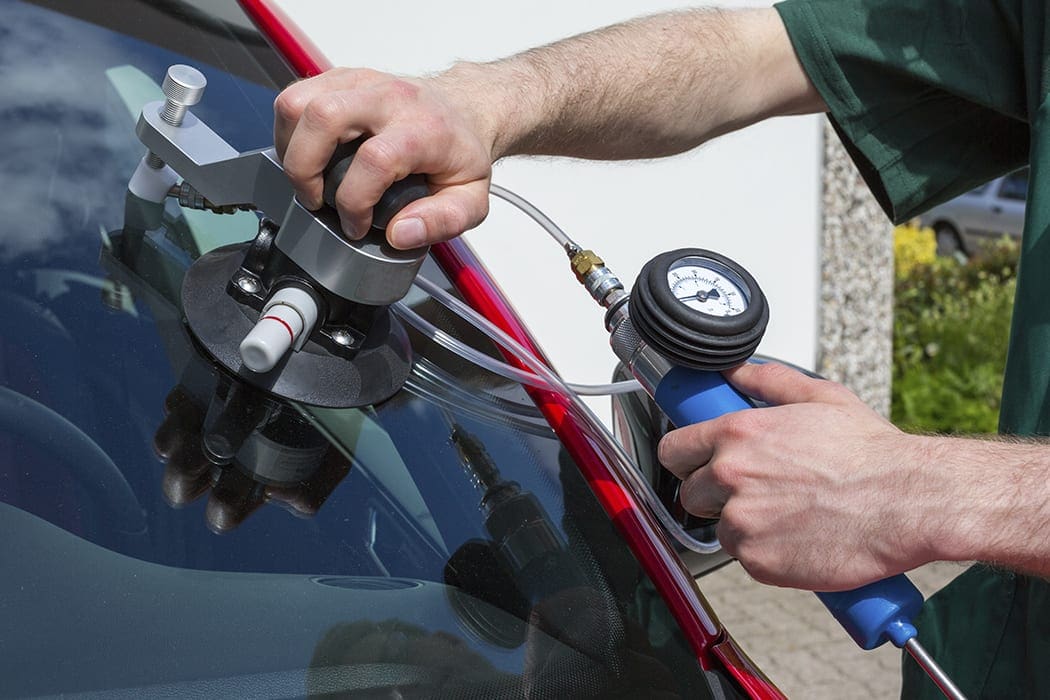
950, 328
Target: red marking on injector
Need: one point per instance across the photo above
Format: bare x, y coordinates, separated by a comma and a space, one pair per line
283, 323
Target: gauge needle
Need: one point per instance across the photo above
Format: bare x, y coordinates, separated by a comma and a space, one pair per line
701, 296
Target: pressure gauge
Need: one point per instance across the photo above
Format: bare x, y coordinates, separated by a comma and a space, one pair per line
708, 286
699, 309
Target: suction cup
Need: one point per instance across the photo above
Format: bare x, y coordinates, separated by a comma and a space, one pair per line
313, 375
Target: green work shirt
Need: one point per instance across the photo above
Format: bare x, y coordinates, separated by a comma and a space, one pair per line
931, 99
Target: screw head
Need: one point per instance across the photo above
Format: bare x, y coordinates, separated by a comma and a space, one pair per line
247, 284
184, 85
343, 338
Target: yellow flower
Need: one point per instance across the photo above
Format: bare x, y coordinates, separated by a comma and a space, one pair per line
913, 246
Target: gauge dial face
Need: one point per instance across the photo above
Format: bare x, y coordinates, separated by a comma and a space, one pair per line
708, 286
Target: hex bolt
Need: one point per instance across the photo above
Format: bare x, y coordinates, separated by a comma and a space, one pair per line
183, 87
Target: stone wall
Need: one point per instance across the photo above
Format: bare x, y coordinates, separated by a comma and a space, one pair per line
856, 305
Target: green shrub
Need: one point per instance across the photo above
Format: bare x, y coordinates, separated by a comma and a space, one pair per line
951, 322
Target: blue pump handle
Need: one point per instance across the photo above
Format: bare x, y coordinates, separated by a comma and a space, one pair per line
872, 614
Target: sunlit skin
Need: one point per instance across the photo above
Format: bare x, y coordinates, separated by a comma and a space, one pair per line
816, 492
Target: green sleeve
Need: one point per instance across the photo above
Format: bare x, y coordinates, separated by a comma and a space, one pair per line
929, 97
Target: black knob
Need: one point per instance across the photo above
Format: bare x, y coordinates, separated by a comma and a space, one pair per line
400, 195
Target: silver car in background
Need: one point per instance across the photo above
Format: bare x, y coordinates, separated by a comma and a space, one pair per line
993, 210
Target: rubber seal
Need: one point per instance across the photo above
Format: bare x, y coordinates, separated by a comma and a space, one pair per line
689, 337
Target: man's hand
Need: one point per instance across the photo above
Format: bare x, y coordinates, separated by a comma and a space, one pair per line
816, 491
412, 127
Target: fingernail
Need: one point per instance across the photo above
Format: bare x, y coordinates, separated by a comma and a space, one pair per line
409, 233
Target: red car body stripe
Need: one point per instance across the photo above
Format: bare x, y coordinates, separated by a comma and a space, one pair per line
584, 442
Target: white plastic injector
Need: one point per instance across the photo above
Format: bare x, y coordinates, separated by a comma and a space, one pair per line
285, 324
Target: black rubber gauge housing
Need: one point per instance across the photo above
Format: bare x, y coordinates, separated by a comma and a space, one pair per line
687, 336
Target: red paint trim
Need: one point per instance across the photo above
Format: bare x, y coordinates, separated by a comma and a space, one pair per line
744, 670
584, 442
291, 333
284, 35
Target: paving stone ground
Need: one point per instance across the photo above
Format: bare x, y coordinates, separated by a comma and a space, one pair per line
795, 641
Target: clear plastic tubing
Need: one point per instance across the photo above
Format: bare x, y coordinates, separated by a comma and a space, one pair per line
541, 376
550, 380
502, 368
467, 352
533, 212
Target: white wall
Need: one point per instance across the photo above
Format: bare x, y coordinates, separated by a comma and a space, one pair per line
754, 196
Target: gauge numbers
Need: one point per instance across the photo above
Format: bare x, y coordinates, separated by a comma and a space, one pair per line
707, 286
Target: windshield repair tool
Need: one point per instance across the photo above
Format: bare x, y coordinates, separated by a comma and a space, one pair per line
691, 314
300, 312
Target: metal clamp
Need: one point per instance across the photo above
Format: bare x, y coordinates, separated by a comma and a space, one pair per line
365, 271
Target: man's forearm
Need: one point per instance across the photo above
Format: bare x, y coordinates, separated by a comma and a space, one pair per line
645, 88
997, 508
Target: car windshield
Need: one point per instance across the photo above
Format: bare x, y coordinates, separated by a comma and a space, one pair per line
441, 542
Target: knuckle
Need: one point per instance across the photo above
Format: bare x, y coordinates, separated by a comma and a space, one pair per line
290, 104
399, 88
379, 156
433, 123
324, 112
742, 425
734, 519
725, 472
729, 536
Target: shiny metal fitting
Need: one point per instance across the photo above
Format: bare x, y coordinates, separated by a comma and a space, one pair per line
592, 273
584, 262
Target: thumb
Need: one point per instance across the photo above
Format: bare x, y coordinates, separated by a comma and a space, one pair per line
779, 384
447, 213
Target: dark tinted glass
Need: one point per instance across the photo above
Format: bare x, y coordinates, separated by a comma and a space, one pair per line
1015, 186
441, 543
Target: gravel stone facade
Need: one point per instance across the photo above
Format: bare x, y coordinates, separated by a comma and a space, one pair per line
856, 306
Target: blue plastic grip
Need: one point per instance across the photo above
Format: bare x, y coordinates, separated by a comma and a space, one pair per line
872, 614
877, 612
690, 396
